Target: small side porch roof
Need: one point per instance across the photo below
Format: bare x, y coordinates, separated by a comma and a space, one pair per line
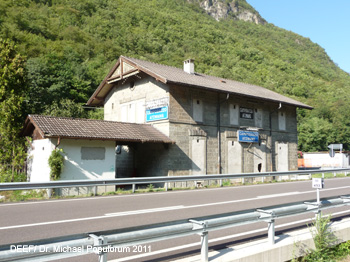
77, 128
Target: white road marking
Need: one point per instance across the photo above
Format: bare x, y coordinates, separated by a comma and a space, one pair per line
279, 195
143, 211
304, 192
197, 244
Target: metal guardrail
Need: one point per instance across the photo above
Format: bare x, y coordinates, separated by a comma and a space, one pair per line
152, 180
103, 242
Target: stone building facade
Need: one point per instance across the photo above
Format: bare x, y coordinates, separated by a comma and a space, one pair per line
218, 125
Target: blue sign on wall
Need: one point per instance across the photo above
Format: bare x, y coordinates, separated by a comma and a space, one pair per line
248, 136
155, 114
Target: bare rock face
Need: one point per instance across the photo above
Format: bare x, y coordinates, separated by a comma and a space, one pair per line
248, 16
221, 9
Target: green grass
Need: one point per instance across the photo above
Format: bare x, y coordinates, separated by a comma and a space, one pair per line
330, 175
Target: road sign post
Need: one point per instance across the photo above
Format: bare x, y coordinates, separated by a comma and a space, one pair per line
318, 183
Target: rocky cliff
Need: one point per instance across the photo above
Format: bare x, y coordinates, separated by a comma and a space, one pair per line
236, 9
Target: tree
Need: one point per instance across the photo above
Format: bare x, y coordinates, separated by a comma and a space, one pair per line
12, 90
315, 135
65, 108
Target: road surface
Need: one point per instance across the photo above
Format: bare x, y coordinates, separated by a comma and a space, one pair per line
29, 221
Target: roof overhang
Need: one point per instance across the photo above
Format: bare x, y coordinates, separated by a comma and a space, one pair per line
297, 104
123, 69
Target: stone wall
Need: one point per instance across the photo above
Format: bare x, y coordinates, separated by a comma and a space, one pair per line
183, 129
196, 148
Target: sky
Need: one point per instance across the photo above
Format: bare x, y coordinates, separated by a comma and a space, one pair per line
325, 22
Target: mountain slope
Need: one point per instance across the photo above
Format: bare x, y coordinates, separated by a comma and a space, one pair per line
71, 45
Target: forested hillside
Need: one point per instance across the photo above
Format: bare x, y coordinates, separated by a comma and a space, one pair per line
70, 46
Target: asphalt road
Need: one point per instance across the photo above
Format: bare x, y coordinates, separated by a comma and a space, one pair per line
29, 221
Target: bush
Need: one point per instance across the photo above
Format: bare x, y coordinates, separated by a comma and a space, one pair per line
6, 176
56, 163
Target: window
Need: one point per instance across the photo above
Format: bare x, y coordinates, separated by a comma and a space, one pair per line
197, 110
282, 120
140, 112
133, 112
93, 153
234, 114
258, 118
124, 113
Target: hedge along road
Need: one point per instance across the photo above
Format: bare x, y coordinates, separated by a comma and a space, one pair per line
26, 221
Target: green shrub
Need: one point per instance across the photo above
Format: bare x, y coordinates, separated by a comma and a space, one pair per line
6, 176
56, 163
323, 239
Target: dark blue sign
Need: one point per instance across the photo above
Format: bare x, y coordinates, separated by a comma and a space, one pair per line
248, 136
155, 114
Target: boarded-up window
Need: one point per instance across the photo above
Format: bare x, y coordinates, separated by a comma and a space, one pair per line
124, 113
140, 112
282, 157
197, 110
133, 112
234, 114
282, 120
93, 153
258, 118
198, 157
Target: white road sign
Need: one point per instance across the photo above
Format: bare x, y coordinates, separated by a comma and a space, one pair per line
317, 183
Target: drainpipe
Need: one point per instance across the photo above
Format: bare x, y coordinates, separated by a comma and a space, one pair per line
58, 142
218, 130
270, 116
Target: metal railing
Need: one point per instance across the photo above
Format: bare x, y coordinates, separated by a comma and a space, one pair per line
103, 242
152, 180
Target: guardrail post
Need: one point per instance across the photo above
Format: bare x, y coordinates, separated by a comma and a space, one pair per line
166, 186
271, 231
99, 243
49, 193
269, 215
95, 190
204, 238
204, 246
133, 188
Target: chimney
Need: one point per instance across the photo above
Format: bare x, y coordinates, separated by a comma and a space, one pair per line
189, 66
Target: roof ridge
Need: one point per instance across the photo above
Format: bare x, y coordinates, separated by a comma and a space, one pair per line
195, 73
152, 62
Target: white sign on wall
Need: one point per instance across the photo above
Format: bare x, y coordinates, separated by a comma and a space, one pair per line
157, 109
157, 103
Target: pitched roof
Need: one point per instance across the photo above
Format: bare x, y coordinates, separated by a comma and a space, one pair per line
173, 75
77, 128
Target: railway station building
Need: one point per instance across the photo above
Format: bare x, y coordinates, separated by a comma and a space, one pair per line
197, 124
